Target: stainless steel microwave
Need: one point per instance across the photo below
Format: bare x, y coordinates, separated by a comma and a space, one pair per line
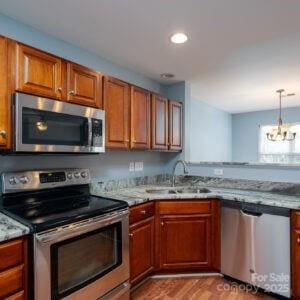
49, 126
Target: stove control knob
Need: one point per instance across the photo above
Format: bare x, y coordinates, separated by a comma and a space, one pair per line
13, 180
24, 179
76, 175
70, 176
83, 174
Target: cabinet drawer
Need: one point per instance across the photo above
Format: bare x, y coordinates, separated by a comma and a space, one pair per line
141, 212
296, 219
18, 296
13, 253
184, 207
11, 281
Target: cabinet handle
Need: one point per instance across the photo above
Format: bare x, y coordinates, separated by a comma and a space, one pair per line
143, 212
162, 224
298, 240
59, 89
71, 93
131, 235
3, 133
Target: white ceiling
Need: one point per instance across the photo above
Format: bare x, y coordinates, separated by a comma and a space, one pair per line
238, 54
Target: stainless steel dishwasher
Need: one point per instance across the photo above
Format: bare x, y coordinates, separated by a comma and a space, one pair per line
256, 245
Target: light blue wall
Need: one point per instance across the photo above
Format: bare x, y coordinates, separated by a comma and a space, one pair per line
245, 130
265, 173
35, 38
210, 133
113, 164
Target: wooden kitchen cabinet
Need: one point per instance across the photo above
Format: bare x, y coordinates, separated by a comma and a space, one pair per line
159, 123
37, 72
4, 101
140, 118
14, 270
188, 235
141, 219
84, 86
295, 244
116, 105
175, 125
141, 249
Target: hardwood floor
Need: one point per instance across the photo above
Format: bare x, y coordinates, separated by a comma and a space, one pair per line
204, 288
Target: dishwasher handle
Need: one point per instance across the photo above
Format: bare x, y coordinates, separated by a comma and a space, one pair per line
251, 213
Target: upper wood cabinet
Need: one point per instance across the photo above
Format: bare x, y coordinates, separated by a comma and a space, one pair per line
4, 99
116, 105
175, 125
295, 244
37, 72
84, 86
159, 123
140, 118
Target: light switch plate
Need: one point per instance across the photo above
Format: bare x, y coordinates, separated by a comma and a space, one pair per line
218, 172
131, 167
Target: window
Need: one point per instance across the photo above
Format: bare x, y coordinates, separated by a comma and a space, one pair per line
287, 152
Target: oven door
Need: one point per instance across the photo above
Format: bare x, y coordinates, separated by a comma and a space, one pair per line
44, 125
85, 260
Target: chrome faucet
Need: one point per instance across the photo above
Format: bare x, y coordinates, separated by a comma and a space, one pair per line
185, 169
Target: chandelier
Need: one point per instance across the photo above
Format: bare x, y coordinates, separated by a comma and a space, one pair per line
281, 132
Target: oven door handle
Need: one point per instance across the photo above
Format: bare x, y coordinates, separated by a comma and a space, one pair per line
79, 228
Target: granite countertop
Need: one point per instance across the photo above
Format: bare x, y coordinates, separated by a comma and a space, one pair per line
137, 195
10, 229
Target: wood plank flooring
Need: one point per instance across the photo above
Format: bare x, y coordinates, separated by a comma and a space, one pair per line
204, 288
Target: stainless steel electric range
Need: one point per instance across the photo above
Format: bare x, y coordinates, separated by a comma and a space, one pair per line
80, 241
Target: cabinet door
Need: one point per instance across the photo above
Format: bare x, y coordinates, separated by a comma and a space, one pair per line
159, 123
141, 249
4, 101
116, 106
140, 118
185, 242
84, 86
38, 72
175, 126
295, 256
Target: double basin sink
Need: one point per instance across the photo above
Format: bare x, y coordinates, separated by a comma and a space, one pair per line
188, 190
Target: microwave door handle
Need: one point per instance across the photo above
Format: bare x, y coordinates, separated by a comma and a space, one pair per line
90, 132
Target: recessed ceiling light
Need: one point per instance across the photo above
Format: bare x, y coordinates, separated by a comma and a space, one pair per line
167, 75
179, 38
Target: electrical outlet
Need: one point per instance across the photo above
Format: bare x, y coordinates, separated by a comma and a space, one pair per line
218, 172
131, 167
138, 166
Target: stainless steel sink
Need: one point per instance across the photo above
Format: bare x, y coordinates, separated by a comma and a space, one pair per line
161, 191
190, 190
193, 190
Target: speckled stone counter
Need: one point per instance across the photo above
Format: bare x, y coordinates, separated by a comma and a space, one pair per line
10, 229
266, 193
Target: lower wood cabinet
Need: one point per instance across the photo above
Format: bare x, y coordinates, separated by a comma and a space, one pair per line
295, 221
141, 249
188, 235
174, 236
13, 270
141, 241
